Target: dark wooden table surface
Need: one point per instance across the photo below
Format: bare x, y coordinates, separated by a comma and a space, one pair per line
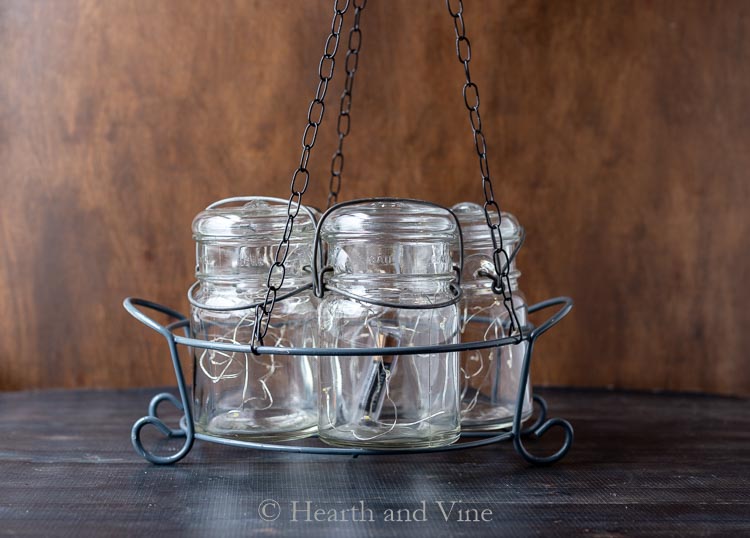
642, 465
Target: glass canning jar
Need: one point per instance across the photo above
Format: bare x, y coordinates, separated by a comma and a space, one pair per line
242, 395
390, 282
489, 377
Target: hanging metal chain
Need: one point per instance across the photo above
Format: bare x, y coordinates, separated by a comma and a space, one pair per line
492, 212
344, 122
301, 176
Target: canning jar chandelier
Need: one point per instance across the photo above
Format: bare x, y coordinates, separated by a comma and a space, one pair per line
379, 325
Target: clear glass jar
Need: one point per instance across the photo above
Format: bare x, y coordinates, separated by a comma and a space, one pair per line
392, 251
489, 377
241, 395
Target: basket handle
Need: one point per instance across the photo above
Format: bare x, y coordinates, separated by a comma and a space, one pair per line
131, 304
567, 306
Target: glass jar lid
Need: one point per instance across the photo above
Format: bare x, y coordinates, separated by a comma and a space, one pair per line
390, 221
391, 252
474, 227
255, 223
478, 243
240, 242
390, 236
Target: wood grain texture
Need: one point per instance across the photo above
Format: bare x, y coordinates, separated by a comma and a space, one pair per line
659, 466
619, 134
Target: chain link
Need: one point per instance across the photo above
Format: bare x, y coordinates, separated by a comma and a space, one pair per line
343, 125
301, 176
492, 213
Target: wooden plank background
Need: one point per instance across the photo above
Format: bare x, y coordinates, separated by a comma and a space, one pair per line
619, 134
